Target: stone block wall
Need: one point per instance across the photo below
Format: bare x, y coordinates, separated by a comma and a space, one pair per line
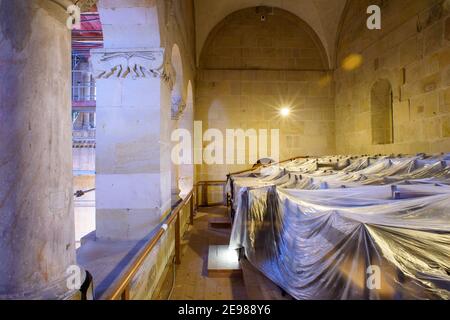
254, 63
412, 52
263, 38
251, 99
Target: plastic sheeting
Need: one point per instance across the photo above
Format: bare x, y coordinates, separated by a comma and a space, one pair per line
369, 240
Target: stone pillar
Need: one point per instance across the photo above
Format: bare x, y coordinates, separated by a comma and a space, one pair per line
37, 242
174, 174
133, 170
178, 106
186, 170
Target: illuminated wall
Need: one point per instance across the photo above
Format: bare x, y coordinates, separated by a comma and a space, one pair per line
412, 52
249, 69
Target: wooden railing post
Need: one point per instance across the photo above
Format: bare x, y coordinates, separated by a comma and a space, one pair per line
125, 294
225, 199
205, 194
177, 239
191, 210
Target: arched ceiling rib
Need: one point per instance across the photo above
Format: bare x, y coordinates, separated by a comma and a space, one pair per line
322, 15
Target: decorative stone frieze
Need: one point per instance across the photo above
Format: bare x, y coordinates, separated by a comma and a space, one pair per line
128, 63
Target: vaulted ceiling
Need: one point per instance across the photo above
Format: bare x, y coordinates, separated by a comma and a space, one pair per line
322, 15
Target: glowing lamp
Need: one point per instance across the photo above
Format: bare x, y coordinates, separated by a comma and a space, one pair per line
285, 112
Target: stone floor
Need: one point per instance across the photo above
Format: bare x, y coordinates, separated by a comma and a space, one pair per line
192, 281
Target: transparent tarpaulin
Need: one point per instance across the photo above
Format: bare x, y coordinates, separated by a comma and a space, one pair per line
364, 242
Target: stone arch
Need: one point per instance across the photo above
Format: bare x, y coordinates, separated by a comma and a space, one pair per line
177, 96
298, 45
322, 16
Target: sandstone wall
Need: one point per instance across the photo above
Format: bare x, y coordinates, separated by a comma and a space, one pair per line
248, 99
250, 69
263, 39
412, 52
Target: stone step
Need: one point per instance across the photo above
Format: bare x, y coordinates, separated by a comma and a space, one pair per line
223, 262
220, 223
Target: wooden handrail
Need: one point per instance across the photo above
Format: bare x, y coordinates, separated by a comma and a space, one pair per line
268, 165
212, 182
120, 289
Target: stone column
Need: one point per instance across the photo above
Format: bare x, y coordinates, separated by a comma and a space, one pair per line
132, 148
37, 242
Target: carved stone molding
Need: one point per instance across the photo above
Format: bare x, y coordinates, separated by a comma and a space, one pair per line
178, 107
128, 63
